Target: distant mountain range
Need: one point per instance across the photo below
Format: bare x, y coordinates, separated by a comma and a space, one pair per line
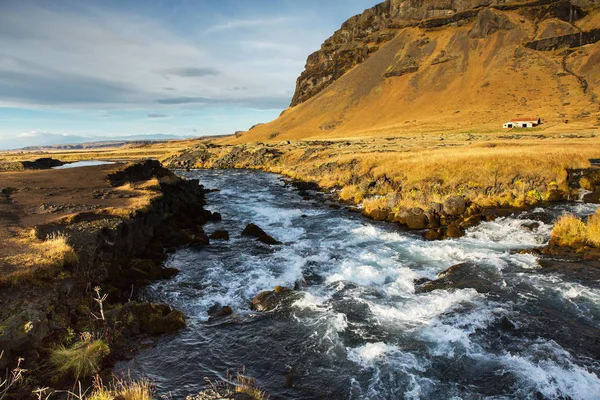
50, 141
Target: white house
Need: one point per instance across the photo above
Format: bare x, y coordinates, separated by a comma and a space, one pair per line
522, 123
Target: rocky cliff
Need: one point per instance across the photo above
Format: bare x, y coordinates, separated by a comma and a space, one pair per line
364, 34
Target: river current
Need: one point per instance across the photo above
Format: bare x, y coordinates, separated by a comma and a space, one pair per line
359, 329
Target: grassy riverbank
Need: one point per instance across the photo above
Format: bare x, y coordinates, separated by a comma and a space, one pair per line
398, 173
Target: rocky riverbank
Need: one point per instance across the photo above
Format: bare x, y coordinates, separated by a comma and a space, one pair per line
441, 208
116, 255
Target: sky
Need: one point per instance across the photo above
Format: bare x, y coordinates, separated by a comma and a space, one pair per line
73, 70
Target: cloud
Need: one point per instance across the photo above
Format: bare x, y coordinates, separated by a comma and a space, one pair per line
190, 72
260, 103
157, 115
84, 57
247, 23
52, 88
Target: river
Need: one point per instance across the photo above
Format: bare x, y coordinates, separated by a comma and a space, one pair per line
359, 329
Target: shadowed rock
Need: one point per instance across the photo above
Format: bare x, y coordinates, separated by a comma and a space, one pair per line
253, 230
461, 276
269, 299
488, 22
217, 312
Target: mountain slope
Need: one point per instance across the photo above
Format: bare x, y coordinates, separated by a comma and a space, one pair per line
463, 69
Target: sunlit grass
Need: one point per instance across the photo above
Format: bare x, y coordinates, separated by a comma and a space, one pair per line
36, 258
592, 233
80, 360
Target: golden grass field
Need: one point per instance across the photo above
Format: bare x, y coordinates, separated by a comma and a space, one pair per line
413, 171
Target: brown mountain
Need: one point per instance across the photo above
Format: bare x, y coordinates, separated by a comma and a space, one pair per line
448, 66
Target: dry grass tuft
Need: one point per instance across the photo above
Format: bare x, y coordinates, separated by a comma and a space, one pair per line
231, 386
11, 379
81, 360
123, 390
592, 233
569, 231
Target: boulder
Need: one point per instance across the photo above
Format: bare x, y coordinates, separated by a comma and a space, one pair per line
402, 66
255, 231
433, 219
216, 312
433, 234
530, 226
455, 205
416, 219
177, 238
219, 235
378, 214
462, 276
269, 299
142, 271
471, 221
436, 207
400, 217
454, 231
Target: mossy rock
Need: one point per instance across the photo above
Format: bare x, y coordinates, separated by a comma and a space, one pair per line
148, 318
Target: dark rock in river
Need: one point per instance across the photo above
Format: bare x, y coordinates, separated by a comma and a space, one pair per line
461, 276
530, 226
255, 231
219, 235
269, 299
433, 234
216, 312
506, 324
572, 267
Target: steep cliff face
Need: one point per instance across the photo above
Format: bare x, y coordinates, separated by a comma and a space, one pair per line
364, 34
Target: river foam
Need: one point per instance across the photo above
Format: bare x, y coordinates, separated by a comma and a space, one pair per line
359, 328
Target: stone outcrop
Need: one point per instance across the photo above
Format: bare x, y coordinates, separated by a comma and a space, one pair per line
488, 22
565, 41
114, 254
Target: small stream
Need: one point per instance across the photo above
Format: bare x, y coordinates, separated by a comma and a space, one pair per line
359, 330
